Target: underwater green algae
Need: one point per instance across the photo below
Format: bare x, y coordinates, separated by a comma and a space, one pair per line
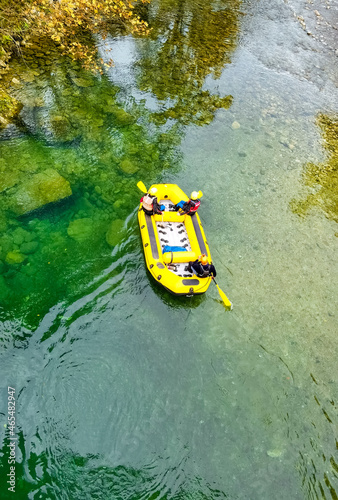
322, 178
68, 182
70, 162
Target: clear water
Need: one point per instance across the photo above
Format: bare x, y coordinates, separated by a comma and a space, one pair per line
123, 391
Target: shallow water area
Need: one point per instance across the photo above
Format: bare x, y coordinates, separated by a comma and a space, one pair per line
122, 390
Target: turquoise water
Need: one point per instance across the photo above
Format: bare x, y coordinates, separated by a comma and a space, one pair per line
122, 390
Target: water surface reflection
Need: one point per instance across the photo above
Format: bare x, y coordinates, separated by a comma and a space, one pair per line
125, 392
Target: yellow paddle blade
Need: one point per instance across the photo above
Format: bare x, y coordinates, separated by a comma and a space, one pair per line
200, 194
225, 299
142, 187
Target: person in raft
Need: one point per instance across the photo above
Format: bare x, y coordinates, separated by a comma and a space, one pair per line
201, 267
189, 207
150, 204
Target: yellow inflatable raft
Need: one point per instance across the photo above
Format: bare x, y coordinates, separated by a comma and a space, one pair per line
173, 229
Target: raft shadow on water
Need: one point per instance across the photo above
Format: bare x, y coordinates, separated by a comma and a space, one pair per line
173, 301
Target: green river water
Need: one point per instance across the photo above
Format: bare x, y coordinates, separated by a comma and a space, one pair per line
122, 390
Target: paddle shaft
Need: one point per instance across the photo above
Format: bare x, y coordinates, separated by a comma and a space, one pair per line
225, 299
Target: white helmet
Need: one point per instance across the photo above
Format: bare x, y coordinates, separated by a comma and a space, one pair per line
194, 195
153, 191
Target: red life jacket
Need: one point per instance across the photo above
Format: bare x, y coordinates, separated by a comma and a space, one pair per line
193, 208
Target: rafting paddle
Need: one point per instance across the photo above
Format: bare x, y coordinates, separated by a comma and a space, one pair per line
142, 187
225, 299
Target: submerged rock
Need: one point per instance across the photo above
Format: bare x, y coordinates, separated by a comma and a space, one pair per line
3, 223
9, 108
29, 247
19, 235
81, 229
114, 233
128, 166
275, 453
29, 76
8, 179
28, 269
6, 245
15, 257
123, 117
83, 82
41, 189
60, 125
4, 290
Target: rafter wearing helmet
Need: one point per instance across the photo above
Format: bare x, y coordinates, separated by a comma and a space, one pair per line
189, 207
150, 204
201, 267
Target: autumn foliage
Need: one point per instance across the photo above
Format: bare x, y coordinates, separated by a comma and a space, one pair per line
69, 23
